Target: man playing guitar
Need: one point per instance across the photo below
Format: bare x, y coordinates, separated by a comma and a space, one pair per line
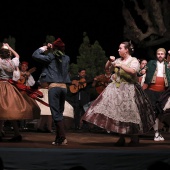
25, 74
81, 84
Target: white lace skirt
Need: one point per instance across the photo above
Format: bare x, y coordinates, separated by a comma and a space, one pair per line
125, 110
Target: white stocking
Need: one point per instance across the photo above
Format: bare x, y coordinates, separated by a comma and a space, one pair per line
155, 126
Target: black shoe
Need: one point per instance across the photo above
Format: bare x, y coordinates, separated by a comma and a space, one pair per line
134, 141
56, 142
16, 139
60, 141
120, 142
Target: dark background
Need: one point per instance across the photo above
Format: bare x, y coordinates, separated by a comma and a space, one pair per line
29, 22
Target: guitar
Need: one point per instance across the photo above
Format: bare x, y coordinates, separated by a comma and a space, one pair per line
76, 85
24, 76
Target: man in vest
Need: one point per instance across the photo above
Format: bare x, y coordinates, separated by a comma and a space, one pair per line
156, 82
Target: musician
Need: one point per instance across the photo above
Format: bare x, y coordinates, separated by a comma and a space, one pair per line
142, 72
27, 79
81, 97
100, 82
156, 82
25, 76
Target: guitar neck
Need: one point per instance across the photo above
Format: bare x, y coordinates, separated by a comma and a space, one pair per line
32, 70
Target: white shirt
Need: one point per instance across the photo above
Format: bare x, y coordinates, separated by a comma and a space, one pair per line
160, 67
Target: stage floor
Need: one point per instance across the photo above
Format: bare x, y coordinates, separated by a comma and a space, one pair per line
84, 140
93, 150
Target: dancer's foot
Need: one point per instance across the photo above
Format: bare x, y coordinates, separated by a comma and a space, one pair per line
60, 141
120, 142
134, 141
158, 137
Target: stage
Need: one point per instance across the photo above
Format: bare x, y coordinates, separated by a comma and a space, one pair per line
92, 150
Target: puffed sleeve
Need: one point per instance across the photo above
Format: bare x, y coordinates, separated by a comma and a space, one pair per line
16, 61
135, 64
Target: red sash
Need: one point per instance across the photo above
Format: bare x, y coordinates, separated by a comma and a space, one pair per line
159, 85
33, 93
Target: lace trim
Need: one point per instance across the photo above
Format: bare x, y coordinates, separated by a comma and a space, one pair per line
118, 103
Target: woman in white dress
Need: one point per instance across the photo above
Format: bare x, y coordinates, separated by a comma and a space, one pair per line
122, 107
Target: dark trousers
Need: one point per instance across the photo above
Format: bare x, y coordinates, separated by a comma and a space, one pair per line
56, 97
78, 113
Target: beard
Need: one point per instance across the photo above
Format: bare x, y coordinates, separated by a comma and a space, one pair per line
160, 59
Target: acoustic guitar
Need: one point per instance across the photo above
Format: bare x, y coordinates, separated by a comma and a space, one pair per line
76, 85
23, 80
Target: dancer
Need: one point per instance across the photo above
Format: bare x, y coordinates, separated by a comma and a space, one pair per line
156, 82
55, 74
122, 107
14, 105
101, 81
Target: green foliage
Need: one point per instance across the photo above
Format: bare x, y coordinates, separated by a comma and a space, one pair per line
91, 57
73, 69
49, 39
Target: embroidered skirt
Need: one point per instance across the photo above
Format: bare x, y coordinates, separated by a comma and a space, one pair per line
124, 110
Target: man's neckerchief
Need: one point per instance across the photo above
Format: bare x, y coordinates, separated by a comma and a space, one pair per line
58, 54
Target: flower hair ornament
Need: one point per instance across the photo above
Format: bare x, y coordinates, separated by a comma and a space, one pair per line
131, 47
